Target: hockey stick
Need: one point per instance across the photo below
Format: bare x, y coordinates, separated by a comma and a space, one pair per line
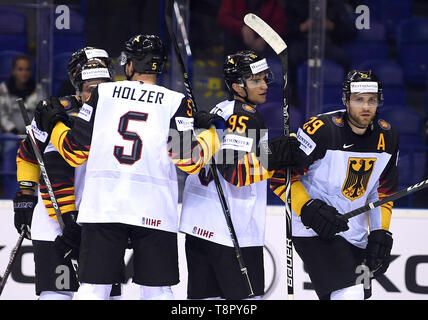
45, 176
168, 21
405, 192
279, 46
39, 158
12, 259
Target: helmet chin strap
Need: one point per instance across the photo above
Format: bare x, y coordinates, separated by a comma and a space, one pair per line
246, 96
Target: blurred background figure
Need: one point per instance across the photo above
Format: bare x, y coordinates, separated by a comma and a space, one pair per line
339, 30
19, 85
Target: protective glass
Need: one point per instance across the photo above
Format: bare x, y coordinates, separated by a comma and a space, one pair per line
257, 79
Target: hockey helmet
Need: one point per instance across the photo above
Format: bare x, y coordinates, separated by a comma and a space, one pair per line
147, 52
242, 65
358, 81
92, 70
81, 57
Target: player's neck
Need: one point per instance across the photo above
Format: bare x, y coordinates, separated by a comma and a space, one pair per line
356, 129
144, 77
238, 98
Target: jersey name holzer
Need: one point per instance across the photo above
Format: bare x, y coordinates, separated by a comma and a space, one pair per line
142, 96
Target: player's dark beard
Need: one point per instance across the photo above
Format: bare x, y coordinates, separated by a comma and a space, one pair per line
354, 122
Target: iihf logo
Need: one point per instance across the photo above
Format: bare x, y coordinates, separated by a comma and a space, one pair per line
202, 232
151, 222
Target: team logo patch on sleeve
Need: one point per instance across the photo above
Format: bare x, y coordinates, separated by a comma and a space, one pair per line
357, 177
338, 121
184, 124
65, 103
306, 143
85, 112
248, 108
384, 125
238, 143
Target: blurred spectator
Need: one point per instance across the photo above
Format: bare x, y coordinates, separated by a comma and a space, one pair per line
203, 18
19, 85
339, 29
238, 35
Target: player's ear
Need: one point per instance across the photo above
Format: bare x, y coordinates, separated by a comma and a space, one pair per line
238, 88
129, 67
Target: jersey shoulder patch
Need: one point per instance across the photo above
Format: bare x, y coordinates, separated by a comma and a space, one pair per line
384, 124
70, 103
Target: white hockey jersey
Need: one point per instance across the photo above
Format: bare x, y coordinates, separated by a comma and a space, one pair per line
43, 227
346, 171
202, 214
130, 177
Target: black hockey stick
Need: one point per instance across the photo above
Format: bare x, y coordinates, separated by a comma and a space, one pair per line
43, 171
405, 192
12, 259
168, 20
279, 46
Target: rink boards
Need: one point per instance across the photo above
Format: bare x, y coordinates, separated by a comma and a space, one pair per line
406, 278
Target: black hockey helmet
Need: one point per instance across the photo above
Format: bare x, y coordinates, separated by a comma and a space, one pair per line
358, 81
94, 69
147, 52
81, 57
242, 65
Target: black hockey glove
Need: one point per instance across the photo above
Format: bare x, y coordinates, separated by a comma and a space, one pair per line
325, 220
69, 242
48, 113
378, 251
280, 153
23, 205
204, 120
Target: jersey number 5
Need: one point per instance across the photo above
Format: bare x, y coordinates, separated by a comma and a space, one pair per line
137, 145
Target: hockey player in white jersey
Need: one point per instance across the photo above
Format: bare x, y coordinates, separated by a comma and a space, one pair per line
128, 132
244, 166
87, 67
350, 160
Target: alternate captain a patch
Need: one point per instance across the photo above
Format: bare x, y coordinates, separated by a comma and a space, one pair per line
357, 177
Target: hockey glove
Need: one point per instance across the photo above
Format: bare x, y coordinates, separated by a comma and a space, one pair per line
204, 120
69, 242
48, 113
325, 220
23, 205
378, 251
280, 153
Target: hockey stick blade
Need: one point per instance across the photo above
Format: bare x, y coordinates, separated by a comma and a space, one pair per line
400, 194
266, 32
